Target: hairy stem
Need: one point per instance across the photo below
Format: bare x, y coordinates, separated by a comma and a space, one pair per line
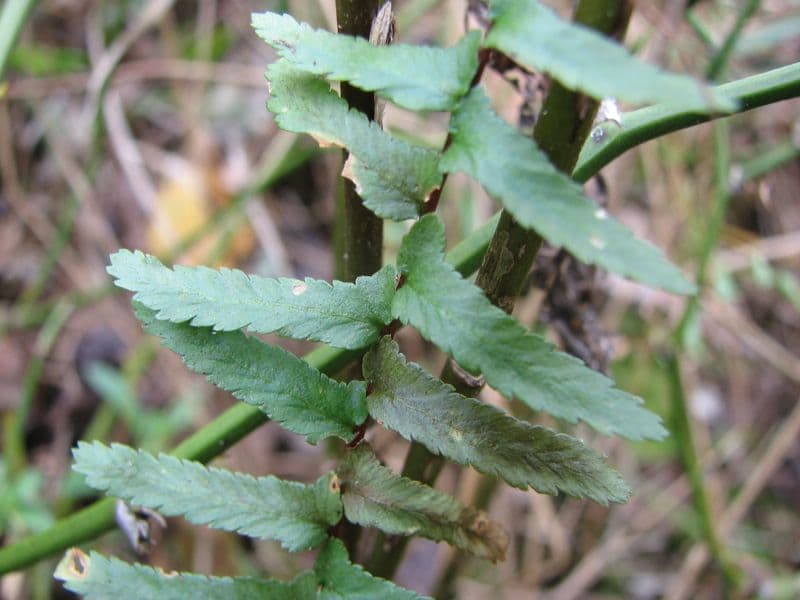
358, 232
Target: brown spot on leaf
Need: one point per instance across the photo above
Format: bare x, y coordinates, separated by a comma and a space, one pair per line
74, 565
491, 538
323, 141
348, 172
334, 485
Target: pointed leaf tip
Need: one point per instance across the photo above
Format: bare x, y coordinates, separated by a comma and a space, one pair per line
339, 578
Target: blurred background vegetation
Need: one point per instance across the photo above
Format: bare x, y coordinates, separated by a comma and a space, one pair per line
142, 124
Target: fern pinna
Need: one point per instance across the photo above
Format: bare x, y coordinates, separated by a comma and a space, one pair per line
199, 313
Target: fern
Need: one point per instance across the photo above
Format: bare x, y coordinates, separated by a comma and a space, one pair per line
333, 577
457, 317
295, 514
513, 169
373, 495
198, 313
422, 408
584, 60
284, 387
392, 177
99, 578
343, 314
417, 78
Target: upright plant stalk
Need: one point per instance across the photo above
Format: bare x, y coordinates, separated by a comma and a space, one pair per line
358, 232
682, 426
681, 417
720, 59
15, 420
13, 17
561, 130
563, 126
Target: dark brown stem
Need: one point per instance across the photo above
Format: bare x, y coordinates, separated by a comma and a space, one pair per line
358, 232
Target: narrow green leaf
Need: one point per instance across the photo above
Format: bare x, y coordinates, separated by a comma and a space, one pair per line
373, 496
295, 514
422, 408
285, 387
456, 316
344, 315
584, 60
393, 178
516, 172
97, 577
339, 578
414, 77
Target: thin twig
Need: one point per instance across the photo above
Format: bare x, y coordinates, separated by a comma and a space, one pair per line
754, 338
774, 248
152, 13
136, 72
128, 156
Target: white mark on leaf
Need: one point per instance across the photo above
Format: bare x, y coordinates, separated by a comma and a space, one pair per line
597, 242
609, 111
299, 288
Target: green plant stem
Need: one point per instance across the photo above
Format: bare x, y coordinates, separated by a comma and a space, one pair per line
768, 159
15, 420
358, 232
681, 416
721, 58
561, 130
12, 19
700, 30
563, 125
681, 426
207, 443
645, 124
